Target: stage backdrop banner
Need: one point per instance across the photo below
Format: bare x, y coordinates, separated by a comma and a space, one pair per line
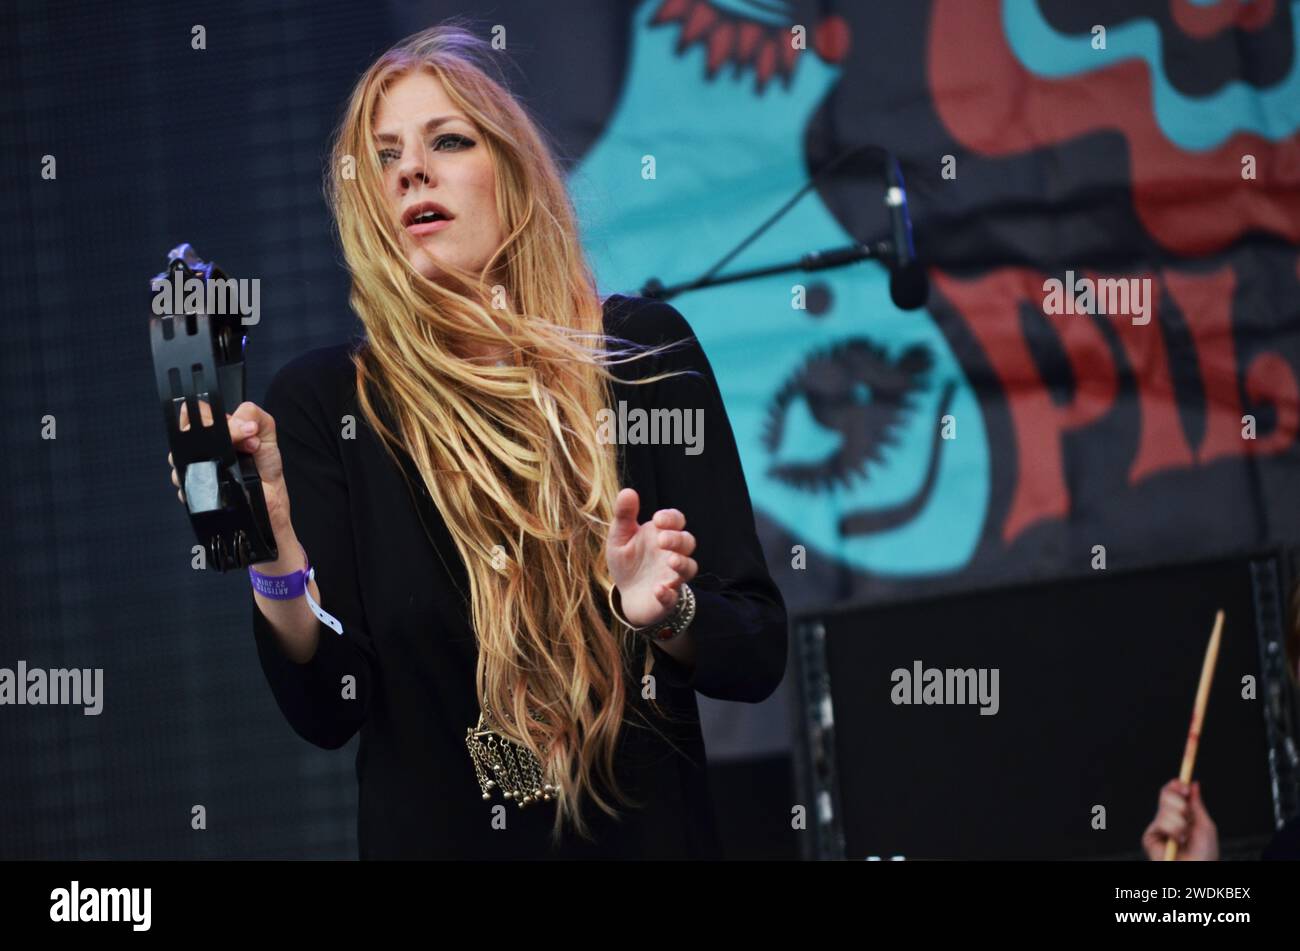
1107, 200
1108, 203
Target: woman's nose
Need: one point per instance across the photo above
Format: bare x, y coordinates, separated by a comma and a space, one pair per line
413, 170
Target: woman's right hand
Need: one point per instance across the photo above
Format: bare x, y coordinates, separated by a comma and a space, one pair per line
257, 440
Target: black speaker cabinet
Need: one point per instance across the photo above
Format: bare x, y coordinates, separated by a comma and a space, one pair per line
1040, 721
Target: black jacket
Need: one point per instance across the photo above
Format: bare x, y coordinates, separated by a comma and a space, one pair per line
402, 602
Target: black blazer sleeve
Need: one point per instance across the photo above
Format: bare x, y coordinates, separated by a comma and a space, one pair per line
313, 696
740, 627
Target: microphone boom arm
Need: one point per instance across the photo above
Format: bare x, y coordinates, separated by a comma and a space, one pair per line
813, 261
907, 283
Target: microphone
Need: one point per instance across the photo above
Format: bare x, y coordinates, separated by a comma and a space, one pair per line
908, 285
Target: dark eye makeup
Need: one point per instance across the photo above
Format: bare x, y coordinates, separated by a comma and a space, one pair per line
460, 143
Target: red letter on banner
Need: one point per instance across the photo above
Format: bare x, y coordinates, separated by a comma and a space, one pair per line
991, 306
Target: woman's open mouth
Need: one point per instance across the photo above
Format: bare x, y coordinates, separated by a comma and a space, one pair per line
426, 217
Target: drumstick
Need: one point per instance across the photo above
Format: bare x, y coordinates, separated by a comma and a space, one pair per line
1198, 717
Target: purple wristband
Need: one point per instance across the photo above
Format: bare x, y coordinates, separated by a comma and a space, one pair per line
281, 587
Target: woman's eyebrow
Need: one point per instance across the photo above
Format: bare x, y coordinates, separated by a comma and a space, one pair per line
428, 127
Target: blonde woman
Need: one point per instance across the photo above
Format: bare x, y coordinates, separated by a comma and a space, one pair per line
511, 603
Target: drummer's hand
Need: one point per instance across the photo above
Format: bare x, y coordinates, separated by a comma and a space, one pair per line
1180, 815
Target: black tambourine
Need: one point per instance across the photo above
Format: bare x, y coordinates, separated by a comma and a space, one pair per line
200, 356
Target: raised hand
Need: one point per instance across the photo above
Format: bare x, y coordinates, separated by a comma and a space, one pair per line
252, 431
648, 562
1181, 815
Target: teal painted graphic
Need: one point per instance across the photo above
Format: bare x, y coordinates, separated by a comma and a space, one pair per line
837, 409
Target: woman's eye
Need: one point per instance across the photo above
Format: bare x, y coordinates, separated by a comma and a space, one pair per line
460, 142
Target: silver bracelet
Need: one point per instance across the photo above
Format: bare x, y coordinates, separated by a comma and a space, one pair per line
672, 626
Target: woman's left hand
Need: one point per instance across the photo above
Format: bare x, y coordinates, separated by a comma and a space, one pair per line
648, 562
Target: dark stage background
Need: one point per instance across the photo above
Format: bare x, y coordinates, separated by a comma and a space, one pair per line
1028, 150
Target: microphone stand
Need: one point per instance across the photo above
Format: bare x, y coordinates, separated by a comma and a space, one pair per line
814, 261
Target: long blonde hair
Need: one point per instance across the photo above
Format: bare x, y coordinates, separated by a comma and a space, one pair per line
510, 455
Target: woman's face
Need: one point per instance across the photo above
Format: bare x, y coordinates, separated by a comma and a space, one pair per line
432, 155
